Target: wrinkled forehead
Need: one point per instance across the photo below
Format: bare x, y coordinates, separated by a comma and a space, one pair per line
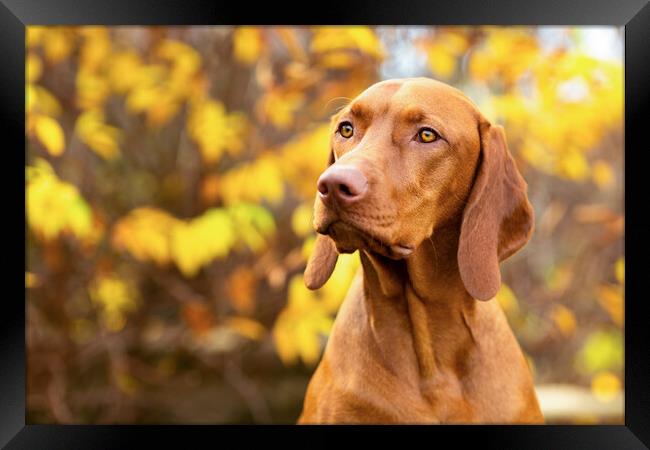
414, 100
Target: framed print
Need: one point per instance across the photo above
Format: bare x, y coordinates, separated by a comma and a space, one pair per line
366, 215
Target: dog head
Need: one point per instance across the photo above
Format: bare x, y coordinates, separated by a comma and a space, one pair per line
408, 157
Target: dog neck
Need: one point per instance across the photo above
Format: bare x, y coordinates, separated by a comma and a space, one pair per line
427, 294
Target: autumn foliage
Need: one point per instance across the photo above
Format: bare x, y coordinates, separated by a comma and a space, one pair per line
170, 181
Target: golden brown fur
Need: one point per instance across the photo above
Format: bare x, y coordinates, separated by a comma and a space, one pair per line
411, 343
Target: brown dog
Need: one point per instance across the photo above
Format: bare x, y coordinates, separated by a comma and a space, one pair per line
425, 188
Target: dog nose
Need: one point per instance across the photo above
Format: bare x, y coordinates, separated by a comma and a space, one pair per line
343, 183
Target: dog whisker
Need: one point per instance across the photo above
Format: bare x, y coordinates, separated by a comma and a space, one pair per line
335, 99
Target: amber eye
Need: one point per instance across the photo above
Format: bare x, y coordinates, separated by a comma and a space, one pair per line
427, 135
346, 130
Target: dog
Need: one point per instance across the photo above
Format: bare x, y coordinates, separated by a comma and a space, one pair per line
425, 188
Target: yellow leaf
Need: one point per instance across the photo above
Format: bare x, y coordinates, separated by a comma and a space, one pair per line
247, 44
95, 49
330, 38
199, 317
241, 287
279, 107
142, 98
444, 51
558, 105
443, 64
54, 206
299, 326
302, 159
308, 344
307, 247
564, 319
493, 59
559, 277
49, 132
210, 188
196, 243
301, 219
252, 224
284, 341
334, 291
30, 100
574, 165
115, 297
619, 269
100, 137
602, 175
40, 100
33, 67
146, 234
150, 234
57, 43
125, 71
338, 60
187, 251
185, 59
92, 89
605, 386
35, 35
32, 280
246, 327
507, 300
253, 182
602, 350
214, 130
610, 298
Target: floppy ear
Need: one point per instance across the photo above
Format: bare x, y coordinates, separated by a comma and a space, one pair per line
498, 218
323, 258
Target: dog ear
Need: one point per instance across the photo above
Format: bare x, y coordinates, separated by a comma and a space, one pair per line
498, 218
321, 262
323, 257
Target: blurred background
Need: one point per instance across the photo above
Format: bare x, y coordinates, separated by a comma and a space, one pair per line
170, 177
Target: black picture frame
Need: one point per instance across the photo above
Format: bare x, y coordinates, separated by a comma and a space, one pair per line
634, 15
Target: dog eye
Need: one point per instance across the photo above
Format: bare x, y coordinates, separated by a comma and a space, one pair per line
427, 135
346, 130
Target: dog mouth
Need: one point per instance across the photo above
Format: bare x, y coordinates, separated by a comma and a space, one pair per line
349, 237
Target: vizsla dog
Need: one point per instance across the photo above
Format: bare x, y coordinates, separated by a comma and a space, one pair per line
425, 188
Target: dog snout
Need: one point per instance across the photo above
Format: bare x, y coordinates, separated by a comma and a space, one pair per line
343, 184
